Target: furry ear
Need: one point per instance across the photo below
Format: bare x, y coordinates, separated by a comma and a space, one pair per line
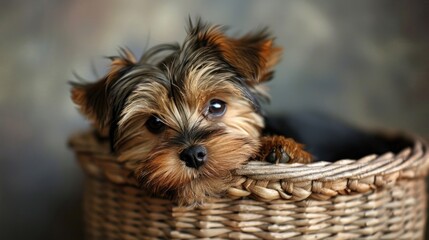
93, 98
253, 55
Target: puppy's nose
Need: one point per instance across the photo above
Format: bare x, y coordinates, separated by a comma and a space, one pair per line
194, 156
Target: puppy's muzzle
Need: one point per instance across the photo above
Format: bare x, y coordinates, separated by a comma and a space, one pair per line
194, 156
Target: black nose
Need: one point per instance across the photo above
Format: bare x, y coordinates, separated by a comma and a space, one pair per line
194, 156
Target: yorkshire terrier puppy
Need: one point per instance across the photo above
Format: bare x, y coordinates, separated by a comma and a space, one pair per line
184, 116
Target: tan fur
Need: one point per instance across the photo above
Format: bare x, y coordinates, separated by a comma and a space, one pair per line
234, 50
160, 169
295, 150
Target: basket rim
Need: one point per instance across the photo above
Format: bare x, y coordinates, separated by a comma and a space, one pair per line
369, 165
265, 181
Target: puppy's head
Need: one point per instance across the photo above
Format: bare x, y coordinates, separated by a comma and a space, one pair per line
182, 117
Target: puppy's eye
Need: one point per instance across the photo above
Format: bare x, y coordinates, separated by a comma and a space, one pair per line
155, 125
217, 108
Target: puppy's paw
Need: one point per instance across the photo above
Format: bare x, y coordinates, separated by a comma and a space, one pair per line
278, 149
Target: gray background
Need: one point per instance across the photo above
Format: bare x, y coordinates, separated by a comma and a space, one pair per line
363, 61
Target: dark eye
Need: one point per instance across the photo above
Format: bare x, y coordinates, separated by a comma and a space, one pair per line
155, 125
217, 108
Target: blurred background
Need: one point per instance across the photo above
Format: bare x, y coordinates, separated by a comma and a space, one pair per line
364, 61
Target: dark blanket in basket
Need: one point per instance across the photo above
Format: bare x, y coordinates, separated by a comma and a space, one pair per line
330, 139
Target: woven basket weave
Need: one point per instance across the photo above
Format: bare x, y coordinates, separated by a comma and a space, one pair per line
375, 197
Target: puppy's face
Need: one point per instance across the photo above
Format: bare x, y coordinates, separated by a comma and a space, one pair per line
182, 117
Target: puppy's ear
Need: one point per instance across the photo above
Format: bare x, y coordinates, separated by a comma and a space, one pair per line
93, 98
253, 55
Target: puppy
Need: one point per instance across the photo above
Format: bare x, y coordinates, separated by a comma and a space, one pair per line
182, 117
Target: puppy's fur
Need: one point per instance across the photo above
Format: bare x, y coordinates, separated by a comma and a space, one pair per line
206, 93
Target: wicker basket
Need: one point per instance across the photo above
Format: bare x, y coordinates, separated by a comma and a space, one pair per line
376, 197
